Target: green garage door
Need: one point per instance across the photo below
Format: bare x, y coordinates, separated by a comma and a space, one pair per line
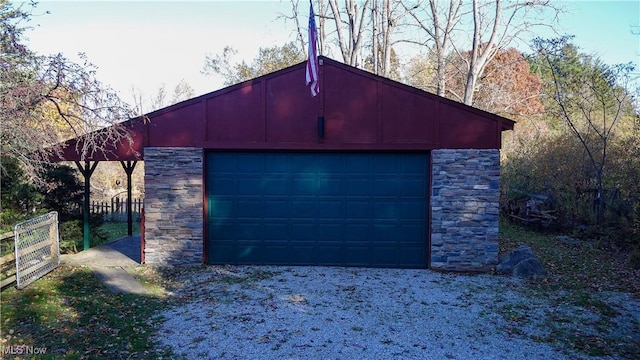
342, 209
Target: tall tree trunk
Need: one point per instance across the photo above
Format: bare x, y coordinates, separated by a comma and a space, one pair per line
374, 38
351, 42
481, 53
439, 30
496, 23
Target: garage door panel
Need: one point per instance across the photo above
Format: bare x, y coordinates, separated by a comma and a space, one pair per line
357, 187
413, 164
223, 231
250, 185
358, 255
329, 232
329, 187
413, 188
328, 164
330, 209
387, 256
356, 232
222, 253
355, 164
224, 184
412, 210
385, 210
222, 207
387, 164
302, 163
358, 209
251, 209
246, 230
302, 185
386, 187
276, 164
248, 163
385, 233
276, 231
301, 231
275, 208
222, 164
330, 256
353, 209
274, 254
411, 234
300, 254
304, 209
412, 256
273, 185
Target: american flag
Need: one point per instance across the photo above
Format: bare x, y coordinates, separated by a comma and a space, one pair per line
312, 60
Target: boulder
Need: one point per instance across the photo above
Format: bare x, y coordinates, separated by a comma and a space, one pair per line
529, 268
521, 262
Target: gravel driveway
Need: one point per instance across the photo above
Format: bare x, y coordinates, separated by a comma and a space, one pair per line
268, 312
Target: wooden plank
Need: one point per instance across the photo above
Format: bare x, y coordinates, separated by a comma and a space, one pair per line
523, 219
9, 271
6, 241
7, 259
8, 281
544, 216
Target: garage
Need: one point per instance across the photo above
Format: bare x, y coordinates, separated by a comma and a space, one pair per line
310, 208
369, 172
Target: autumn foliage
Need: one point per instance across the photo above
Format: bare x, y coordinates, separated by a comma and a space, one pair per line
507, 86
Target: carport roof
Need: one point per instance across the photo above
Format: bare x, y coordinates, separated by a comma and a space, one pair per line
355, 110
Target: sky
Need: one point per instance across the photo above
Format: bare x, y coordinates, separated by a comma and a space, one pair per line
143, 44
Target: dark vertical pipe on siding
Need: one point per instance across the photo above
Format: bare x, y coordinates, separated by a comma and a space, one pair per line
321, 127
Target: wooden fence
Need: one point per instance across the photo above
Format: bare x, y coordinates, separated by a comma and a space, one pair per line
30, 251
7, 260
116, 209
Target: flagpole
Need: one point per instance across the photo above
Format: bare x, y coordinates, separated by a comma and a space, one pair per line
313, 73
312, 76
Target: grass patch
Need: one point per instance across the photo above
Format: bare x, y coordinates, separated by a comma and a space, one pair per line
578, 319
72, 240
117, 230
577, 267
71, 314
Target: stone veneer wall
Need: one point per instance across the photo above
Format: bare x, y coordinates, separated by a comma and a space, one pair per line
173, 206
465, 209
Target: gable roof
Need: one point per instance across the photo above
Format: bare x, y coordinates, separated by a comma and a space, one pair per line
355, 110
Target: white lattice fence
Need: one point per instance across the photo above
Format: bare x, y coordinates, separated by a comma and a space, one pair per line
37, 248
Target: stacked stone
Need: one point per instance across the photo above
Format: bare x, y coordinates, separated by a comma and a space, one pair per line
173, 206
465, 209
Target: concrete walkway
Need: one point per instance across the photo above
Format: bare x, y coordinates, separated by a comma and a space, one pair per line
110, 262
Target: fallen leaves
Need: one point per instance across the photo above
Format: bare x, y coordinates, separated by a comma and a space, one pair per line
71, 313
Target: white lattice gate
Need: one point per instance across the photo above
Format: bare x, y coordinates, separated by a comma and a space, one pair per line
37, 248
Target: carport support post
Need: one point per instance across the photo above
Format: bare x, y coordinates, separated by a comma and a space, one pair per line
128, 168
86, 170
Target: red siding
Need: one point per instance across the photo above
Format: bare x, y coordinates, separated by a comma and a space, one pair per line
459, 129
361, 111
289, 116
350, 107
180, 128
408, 117
235, 115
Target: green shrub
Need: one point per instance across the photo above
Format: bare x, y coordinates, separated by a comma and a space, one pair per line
71, 236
